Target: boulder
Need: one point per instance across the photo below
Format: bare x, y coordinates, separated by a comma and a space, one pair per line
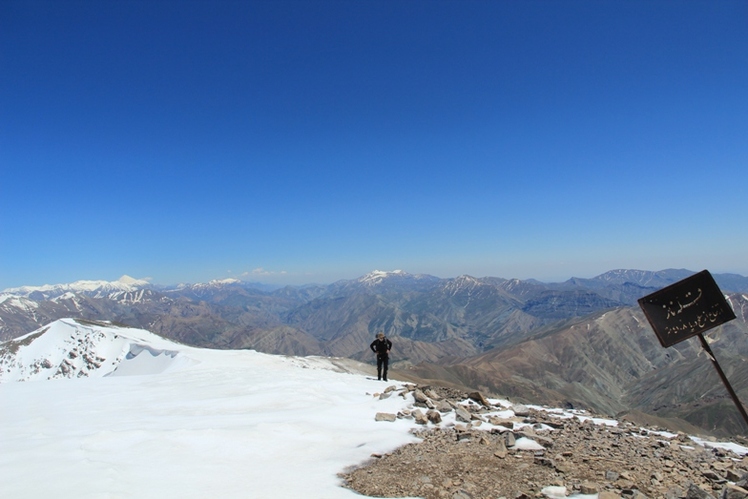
385, 416
731, 491
521, 410
463, 414
695, 492
478, 397
434, 416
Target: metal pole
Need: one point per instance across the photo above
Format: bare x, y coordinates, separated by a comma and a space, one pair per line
724, 378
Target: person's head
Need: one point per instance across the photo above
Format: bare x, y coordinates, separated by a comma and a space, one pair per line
380, 335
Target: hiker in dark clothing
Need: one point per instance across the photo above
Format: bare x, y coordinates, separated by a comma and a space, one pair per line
381, 346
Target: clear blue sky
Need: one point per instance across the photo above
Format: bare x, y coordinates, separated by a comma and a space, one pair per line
309, 141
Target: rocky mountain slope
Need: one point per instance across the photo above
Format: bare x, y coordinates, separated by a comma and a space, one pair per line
612, 363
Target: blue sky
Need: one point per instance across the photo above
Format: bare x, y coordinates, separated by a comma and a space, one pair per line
296, 142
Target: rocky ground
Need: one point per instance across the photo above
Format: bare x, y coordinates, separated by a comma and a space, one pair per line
533, 453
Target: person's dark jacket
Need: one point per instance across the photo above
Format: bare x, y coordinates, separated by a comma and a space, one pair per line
381, 347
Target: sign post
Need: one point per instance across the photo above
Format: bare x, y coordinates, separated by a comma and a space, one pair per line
688, 308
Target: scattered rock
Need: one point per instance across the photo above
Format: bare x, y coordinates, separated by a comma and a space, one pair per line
731, 491
695, 492
422, 400
510, 440
434, 416
521, 410
478, 397
579, 456
462, 414
430, 393
611, 476
420, 417
443, 406
588, 488
462, 436
385, 416
500, 449
732, 476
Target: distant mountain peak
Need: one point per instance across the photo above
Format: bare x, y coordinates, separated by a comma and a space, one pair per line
221, 282
378, 276
131, 281
463, 281
466, 278
213, 283
644, 277
19, 302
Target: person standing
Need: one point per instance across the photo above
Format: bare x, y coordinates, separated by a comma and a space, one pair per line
381, 347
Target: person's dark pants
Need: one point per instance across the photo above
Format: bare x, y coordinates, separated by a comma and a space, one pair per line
382, 362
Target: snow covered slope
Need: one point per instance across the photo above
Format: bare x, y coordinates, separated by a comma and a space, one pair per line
186, 423
70, 348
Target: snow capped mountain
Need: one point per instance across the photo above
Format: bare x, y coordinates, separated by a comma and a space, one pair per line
68, 295
97, 289
70, 348
8, 300
462, 283
377, 276
379, 279
202, 290
224, 281
215, 283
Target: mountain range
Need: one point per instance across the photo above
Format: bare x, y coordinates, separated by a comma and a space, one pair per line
581, 343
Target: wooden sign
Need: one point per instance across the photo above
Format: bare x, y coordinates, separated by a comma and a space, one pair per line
686, 308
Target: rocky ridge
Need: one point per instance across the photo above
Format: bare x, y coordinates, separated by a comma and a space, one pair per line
474, 448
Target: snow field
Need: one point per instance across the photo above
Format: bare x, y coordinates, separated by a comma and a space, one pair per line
236, 424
